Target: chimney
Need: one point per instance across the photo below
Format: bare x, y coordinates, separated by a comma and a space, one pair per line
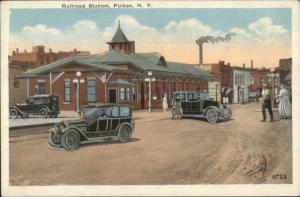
228, 64
50, 50
75, 50
25, 51
14, 52
244, 66
17, 50
221, 62
200, 54
251, 63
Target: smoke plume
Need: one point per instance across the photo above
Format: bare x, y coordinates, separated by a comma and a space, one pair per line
212, 39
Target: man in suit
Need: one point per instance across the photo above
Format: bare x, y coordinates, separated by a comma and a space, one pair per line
267, 103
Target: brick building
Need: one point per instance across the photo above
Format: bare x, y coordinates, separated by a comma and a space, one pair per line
284, 68
38, 56
223, 76
116, 76
17, 88
259, 77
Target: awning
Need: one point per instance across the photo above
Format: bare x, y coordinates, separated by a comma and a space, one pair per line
120, 82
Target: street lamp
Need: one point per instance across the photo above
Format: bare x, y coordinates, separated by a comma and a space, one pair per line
78, 75
149, 100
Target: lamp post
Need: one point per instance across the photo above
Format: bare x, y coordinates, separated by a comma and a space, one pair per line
150, 96
78, 75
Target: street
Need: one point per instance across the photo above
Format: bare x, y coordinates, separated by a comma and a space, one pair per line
163, 151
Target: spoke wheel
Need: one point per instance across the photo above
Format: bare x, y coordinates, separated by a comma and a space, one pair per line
13, 113
226, 114
212, 116
54, 139
124, 133
70, 140
43, 113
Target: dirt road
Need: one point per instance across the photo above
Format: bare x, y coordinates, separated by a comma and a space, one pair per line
242, 150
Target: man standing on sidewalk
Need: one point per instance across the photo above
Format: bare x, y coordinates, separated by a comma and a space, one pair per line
267, 103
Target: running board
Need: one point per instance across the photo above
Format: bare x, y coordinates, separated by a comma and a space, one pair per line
194, 116
99, 139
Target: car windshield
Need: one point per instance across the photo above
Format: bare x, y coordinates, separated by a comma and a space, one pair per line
96, 112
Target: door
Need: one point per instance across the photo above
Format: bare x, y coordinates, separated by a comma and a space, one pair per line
112, 94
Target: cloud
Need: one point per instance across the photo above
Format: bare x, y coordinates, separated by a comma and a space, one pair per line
264, 27
176, 40
40, 30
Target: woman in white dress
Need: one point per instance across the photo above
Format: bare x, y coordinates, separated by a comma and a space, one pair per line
284, 107
165, 103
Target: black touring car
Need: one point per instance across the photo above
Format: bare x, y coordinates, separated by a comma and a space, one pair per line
42, 105
100, 122
197, 104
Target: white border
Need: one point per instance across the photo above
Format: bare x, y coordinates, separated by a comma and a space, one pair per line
165, 190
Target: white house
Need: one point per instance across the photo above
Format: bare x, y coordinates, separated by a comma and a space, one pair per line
241, 82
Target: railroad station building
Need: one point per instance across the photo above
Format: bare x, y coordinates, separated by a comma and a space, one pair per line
119, 75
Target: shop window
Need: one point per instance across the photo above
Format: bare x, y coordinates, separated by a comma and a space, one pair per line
128, 97
91, 90
40, 88
67, 91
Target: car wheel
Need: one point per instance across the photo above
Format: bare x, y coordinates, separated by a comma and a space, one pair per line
43, 113
212, 116
124, 133
13, 113
54, 139
70, 140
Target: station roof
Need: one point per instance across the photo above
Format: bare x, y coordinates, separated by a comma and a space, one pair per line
107, 61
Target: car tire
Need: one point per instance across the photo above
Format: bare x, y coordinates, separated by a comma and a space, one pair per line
54, 139
212, 115
70, 140
43, 113
13, 114
124, 133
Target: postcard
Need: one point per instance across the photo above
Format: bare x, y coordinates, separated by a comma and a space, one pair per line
150, 98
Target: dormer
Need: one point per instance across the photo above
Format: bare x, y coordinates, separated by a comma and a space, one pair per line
120, 42
162, 61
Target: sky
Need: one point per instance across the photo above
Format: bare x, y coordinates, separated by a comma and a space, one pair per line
261, 34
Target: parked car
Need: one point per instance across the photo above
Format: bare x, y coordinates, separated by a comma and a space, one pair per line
42, 105
100, 122
197, 104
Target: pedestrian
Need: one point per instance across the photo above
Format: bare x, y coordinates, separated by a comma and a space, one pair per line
284, 107
267, 103
165, 103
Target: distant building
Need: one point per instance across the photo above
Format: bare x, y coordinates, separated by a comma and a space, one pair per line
284, 68
241, 82
38, 56
223, 76
259, 77
17, 86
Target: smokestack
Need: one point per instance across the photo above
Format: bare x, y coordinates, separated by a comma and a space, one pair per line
244, 66
251, 63
17, 50
50, 50
200, 54
211, 39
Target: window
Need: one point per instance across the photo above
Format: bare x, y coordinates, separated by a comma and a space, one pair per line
157, 89
124, 111
16, 82
67, 91
125, 94
40, 87
91, 90
128, 97
115, 111
38, 101
133, 93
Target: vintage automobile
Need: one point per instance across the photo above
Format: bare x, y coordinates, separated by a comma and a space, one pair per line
100, 123
197, 105
42, 105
